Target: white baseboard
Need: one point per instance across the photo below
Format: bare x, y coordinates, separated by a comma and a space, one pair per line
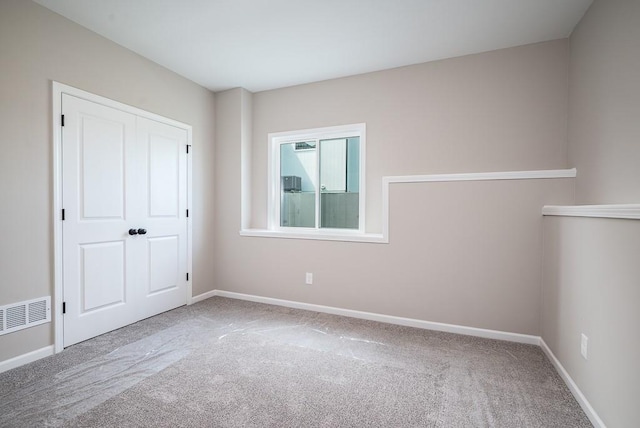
203, 296
389, 319
27, 358
580, 398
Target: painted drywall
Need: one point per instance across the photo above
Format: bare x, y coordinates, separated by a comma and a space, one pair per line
604, 110
591, 265
229, 167
459, 253
591, 286
498, 111
36, 47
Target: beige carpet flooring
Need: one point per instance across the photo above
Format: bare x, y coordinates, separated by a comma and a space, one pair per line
229, 363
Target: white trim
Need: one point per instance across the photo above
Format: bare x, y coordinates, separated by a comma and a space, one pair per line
27, 358
577, 393
190, 217
623, 211
483, 176
203, 296
57, 90
475, 176
386, 181
56, 312
388, 319
312, 133
362, 180
315, 235
61, 88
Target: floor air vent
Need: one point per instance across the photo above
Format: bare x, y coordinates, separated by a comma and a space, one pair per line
24, 314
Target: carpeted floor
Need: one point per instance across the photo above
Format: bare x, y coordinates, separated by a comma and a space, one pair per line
229, 363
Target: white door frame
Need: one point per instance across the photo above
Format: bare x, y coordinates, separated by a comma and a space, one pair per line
57, 90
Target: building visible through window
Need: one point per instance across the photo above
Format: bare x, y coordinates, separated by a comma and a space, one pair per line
319, 178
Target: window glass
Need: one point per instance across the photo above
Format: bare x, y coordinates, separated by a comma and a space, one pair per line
298, 184
316, 178
339, 183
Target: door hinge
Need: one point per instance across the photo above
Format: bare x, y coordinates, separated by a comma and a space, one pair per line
187, 276
187, 213
188, 147
64, 307
62, 120
63, 217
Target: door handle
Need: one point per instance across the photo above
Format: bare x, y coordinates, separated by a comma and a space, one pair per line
142, 231
133, 232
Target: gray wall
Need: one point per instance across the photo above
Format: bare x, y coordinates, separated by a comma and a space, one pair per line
604, 110
460, 253
498, 111
591, 270
36, 47
592, 286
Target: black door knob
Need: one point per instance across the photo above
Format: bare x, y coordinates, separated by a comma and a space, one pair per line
142, 231
133, 232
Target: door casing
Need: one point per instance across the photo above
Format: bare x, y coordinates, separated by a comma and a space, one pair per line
57, 90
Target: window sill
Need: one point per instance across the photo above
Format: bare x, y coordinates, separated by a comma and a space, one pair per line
623, 211
317, 235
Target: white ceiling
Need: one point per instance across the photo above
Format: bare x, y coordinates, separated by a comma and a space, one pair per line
266, 44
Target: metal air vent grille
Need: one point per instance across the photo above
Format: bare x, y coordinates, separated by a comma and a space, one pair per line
25, 314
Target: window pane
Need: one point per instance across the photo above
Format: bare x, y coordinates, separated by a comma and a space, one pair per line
340, 183
298, 184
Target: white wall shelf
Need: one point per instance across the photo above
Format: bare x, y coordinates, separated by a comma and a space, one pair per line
383, 237
623, 211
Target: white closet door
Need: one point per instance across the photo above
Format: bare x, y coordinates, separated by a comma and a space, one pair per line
99, 199
124, 185
163, 249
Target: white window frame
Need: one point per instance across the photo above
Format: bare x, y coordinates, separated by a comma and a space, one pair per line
327, 133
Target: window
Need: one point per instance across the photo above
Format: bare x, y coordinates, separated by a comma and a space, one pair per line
316, 179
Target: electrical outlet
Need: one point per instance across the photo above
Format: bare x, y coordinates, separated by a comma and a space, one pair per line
309, 278
584, 344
